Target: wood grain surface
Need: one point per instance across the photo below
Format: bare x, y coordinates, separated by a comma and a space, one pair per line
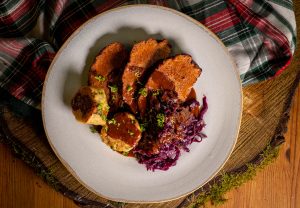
278, 185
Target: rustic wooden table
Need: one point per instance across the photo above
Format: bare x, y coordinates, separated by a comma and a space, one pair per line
278, 185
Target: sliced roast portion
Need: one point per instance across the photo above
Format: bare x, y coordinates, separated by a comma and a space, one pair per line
177, 74
107, 70
143, 55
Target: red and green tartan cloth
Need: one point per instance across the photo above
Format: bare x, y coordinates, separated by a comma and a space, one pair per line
259, 34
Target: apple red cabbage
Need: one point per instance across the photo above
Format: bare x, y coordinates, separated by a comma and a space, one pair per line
169, 152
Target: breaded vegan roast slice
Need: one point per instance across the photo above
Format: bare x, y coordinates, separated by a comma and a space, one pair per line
143, 55
177, 74
107, 70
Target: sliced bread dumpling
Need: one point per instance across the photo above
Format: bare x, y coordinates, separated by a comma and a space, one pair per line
89, 105
122, 133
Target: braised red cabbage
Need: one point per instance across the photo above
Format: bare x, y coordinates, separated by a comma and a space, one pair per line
160, 148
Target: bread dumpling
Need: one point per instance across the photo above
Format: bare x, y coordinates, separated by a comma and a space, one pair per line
122, 132
89, 106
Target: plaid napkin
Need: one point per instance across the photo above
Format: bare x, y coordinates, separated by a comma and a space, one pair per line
259, 34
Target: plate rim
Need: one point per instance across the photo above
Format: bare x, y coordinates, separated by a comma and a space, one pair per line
66, 43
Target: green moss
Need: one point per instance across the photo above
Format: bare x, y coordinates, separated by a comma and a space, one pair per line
215, 195
229, 181
117, 204
48, 177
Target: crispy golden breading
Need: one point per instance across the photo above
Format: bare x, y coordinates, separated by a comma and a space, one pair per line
107, 70
143, 55
177, 74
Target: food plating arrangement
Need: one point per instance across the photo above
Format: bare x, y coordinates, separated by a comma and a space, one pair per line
142, 103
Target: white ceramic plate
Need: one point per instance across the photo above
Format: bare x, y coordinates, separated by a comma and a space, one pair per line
108, 173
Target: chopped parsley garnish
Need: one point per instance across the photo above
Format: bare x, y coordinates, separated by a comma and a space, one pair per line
130, 133
114, 97
103, 117
143, 92
155, 93
132, 119
143, 127
93, 130
105, 128
112, 121
160, 120
128, 88
99, 108
125, 153
113, 88
100, 111
100, 78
